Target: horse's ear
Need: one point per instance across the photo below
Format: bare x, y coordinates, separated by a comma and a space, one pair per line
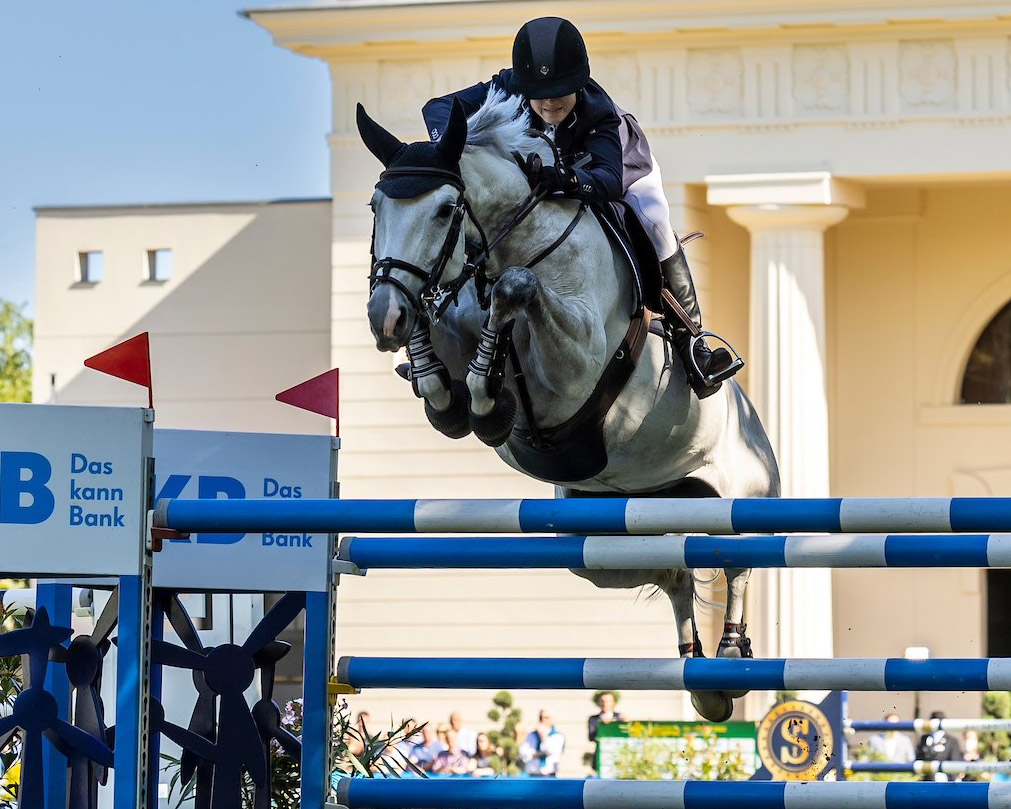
455, 137
381, 143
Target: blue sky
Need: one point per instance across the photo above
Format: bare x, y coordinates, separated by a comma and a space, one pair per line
128, 101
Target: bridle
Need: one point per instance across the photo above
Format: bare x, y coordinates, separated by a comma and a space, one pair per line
433, 300
434, 297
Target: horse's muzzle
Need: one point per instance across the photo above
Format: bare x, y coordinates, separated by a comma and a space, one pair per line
390, 318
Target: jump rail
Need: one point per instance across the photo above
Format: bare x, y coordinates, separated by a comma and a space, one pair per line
592, 515
696, 674
928, 725
451, 793
929, 767
678, 552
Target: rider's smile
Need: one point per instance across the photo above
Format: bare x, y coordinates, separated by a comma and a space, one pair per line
553, 110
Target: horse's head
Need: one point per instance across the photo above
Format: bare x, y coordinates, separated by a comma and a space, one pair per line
418, 239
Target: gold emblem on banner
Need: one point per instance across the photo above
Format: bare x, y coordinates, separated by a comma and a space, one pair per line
795, 741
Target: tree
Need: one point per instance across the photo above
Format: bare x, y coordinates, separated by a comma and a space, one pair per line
15, 354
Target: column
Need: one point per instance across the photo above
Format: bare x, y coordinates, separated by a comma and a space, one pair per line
790, 611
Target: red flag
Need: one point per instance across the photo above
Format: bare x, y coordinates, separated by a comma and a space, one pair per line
321, 394
129, 360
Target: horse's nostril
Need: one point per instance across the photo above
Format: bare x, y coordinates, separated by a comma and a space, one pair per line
402, 320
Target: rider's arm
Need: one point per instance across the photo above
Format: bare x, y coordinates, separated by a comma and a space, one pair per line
436, 111
600, 179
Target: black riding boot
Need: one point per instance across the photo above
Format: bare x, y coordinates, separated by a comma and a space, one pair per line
707, 368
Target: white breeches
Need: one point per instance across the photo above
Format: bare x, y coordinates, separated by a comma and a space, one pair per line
649, 203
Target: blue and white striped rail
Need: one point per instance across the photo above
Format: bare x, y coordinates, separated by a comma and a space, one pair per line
592, 515
620, 552
560, 793
694, 674
929, 725
930, 767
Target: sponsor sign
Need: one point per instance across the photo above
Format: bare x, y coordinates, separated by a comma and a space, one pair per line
72, 490
210, 465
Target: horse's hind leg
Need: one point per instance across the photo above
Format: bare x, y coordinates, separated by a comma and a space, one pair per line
716, 706
735, 642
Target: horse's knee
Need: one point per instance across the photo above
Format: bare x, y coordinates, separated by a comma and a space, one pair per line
513, 292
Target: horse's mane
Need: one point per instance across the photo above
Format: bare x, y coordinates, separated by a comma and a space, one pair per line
501, 124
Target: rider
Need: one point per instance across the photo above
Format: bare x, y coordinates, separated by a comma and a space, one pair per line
552, 73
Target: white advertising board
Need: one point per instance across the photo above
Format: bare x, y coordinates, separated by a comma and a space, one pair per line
204, 464
72, 490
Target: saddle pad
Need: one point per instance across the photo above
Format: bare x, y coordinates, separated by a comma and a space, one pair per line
624, 229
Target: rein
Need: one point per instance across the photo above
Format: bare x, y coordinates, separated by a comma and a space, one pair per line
435, 297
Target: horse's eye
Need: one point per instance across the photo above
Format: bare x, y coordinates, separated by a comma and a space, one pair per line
446, 210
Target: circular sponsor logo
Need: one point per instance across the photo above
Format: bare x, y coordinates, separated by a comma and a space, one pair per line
795, 741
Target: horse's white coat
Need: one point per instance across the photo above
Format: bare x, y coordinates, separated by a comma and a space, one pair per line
570, 313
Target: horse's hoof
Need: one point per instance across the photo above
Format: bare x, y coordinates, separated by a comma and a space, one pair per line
494, 428
454, 421
715, 706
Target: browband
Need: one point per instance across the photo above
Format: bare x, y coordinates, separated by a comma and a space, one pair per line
450, 177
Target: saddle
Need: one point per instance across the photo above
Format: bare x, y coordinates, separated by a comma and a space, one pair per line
575, 450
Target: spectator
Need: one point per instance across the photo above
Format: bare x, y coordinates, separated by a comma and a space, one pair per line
425, 752
606, 700
409, 740
482, 759
442, 730
541, 750
453, 760
892, 745
356, 741
938, 746
465, 737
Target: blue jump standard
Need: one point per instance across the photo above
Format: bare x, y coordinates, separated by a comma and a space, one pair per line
560, 793
592, 515
678, 552
695, 674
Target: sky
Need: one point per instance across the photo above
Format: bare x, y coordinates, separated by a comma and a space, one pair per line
147, 101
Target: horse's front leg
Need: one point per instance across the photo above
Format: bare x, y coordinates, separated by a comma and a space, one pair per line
560, 335
447, 402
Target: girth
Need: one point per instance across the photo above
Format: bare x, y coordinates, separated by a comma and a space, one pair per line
574, 450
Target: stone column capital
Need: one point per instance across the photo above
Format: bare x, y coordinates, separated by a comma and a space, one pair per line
757, 218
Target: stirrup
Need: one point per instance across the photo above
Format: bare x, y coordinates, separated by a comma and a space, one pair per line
713, 380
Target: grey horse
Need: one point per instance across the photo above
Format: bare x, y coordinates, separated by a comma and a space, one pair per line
567, 314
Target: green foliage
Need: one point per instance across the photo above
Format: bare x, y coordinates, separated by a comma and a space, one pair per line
996, 745
646, 758
15, 354
865, 753
783, 696
506, 761
376, 756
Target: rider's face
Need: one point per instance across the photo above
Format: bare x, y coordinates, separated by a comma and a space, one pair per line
553, 110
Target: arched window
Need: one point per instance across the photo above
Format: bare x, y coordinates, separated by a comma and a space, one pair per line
987, 378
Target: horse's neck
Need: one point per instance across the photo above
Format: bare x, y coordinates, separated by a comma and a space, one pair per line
497, 188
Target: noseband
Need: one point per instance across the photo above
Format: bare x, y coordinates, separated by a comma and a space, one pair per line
435, 297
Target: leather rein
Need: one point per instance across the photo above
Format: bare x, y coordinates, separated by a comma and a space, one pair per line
435, 297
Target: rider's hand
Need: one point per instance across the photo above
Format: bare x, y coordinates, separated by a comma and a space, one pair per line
558, 178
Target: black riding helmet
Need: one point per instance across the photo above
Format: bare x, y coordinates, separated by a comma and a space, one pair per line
549, 59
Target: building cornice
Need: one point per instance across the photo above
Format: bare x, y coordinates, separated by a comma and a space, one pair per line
358, 30
167, 207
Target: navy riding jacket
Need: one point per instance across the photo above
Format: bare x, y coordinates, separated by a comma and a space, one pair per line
591, 127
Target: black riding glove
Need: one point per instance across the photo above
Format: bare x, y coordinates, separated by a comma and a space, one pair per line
558, 178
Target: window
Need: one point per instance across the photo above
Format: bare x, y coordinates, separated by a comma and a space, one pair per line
987, 378
159, 265
90, 266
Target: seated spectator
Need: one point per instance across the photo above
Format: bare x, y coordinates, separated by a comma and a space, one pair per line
466, 738
606, 700
409, 740
541, 751
482, 759
892, 745
453, 760
424, 753
938, 746
356, 741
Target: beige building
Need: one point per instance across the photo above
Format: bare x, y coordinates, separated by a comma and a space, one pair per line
849, 165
